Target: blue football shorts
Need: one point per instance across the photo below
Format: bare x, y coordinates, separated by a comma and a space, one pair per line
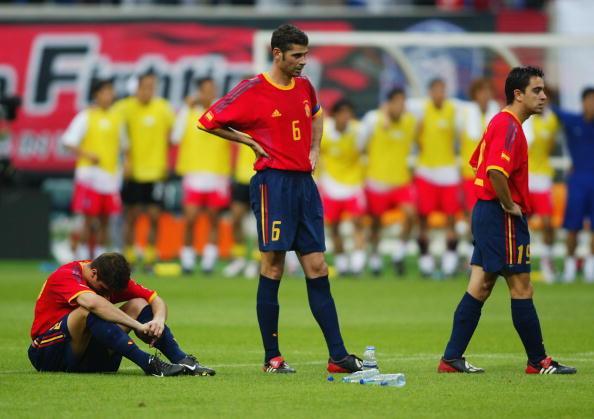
501, 240
288, 211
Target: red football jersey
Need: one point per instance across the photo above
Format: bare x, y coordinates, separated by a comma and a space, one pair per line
58, 296
279, 118
503, 148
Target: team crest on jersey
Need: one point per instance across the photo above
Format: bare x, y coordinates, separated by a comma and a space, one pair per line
104, 124
307, 108
149, 121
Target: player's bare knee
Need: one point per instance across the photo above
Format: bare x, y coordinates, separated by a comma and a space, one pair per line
522, 291
319, 269
273, 270
77, 324
520, 286
80, 313
484, 292
134, 306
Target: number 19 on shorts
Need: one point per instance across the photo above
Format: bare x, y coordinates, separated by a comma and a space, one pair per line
523, 254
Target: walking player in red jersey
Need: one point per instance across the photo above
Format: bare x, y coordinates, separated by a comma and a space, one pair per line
500, 229
277, 114
77, 327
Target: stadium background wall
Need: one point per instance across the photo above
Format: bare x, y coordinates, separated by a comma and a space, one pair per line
51, 61
53, 57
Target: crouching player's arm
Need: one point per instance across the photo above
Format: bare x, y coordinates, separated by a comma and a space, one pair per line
104, 309
157, 324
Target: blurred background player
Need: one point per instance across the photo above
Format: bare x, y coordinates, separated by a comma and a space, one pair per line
541, 133
474, 118
204, 161
388, 135
148, 121
240, 209
437, 179
579, 134
95, 137
341, 185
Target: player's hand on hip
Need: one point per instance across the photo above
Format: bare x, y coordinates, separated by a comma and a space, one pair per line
514, 210
127, 169
94, 159
258, 150
314, 156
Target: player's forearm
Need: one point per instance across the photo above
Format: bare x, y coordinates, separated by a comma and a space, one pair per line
79, 152
113, 314
159, 309
229, 135
107, 311
317, 129
501, 188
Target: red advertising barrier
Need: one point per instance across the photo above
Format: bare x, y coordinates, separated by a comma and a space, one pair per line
51, 67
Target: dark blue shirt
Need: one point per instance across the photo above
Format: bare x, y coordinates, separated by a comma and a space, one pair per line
579, 135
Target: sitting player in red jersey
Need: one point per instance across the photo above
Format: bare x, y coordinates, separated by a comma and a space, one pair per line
277, 114
77, 327
500, 229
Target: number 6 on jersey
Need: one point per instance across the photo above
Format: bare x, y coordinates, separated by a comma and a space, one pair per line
296, 130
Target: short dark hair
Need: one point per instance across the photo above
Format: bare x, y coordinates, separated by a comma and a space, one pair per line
149, 73
286, 35
113, 270
518, 79
479, 84
436, 80
395, 91
202, 80
342, 103
587, 91
98, 84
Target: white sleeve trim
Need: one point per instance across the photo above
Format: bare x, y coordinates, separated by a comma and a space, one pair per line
179, 127
416, 106
77, 129
366, 128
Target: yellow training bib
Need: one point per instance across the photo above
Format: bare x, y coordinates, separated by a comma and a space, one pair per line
388, 150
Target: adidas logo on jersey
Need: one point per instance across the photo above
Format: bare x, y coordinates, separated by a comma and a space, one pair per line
276, 114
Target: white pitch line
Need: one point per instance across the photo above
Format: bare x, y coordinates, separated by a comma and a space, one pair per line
580, 356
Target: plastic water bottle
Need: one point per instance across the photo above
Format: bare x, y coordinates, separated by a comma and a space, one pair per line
369, 360
357, 376
386, 380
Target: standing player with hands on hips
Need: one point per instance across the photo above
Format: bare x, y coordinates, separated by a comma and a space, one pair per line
277, 114
500, 229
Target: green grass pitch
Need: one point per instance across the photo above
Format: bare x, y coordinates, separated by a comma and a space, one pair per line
408, 320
